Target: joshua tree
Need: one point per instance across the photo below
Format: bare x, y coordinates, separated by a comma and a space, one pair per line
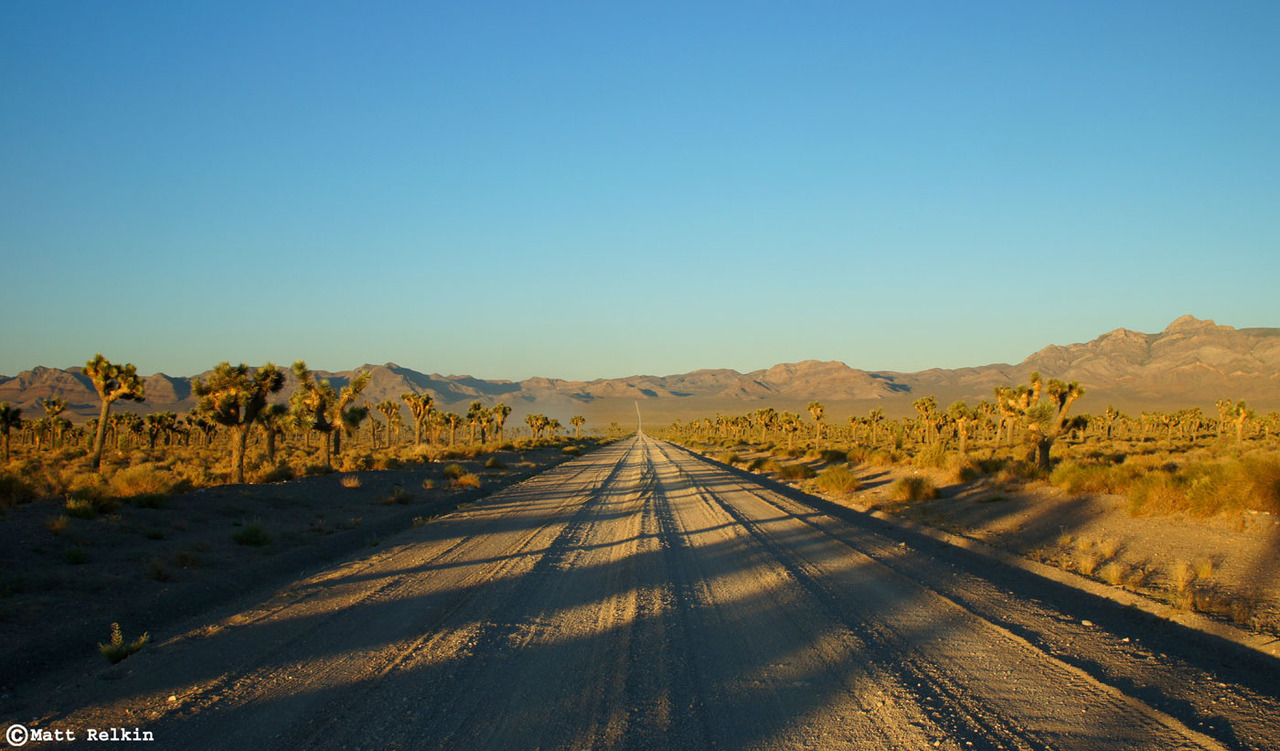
576, 421
53, 407
159, 424
500, 412
927, 408
765, 418
1043, 409
233, 396
790, 424
452, 419
10, 418
816, 409
390, 410
112, 382
1240, 413
476, 417
272, 419
324, 410
962, 415
420, 406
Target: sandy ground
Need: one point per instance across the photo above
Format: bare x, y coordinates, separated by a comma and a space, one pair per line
641, 597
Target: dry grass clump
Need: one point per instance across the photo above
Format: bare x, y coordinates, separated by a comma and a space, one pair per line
884, 458
144, 482
796, 472
729, 457
351, 482
1182, 575
838, 480
913, 489
1113, 573
495, 463
467, 480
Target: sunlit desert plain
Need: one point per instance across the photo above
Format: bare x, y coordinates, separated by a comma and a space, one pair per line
1077, 550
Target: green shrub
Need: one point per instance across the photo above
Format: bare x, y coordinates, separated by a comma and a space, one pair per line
252, 535
913, 489
116, 649
838, 480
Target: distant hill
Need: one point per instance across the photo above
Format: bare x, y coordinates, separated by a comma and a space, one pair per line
1191, 363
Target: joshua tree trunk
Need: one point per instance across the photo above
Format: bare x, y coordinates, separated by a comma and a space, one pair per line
96, 460
239, 442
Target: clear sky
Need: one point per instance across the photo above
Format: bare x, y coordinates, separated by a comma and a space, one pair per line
601, 189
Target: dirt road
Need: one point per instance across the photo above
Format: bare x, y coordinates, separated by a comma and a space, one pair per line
642, 597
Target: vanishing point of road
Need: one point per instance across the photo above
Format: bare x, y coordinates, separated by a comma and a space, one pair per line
643, 597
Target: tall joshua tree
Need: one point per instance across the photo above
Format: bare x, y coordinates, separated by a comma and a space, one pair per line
816, 409
272, 419
113, 383
962, 415
477, 415
327, 411
1043, 409
234, 396
10, 418
500, 412
53, 407
421, 407
577, 421
390, 410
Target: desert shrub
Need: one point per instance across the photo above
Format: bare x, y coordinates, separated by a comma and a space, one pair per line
453, 471
884, 458
1209, 488
279, 473
930, 457
14, 490
1087, 562
57, 524
183, 559
760, 464
316, 470
466, 480
572, 450
355, 461
962, 468
350, 482
913, 488
495, 463
857, 455
429, 484
1017, 472
400, 495
838, 480
144, 481
729, 457
116, 649
253, 535
506, 446
386, 461
796, 471
833, 456
1182, 575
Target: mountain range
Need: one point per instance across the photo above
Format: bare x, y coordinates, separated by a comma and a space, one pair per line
1192, 362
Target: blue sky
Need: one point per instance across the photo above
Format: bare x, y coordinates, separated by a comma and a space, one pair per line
601, 189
